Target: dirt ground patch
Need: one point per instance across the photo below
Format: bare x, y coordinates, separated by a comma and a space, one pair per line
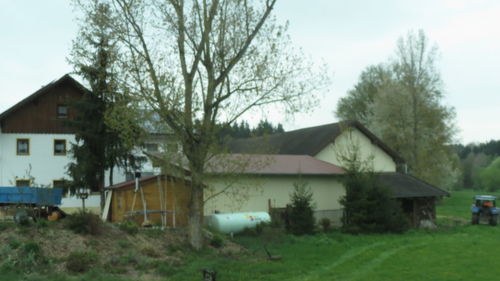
150, 252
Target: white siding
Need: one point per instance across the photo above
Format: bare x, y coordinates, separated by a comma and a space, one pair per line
380, 160
253, 194
45, 166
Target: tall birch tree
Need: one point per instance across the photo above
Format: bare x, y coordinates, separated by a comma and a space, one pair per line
402, 102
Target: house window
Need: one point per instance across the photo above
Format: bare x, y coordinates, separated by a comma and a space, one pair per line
23, 146
62, 111
22, 183
151, 147
59, 147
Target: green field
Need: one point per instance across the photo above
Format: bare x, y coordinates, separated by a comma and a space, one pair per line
452, 252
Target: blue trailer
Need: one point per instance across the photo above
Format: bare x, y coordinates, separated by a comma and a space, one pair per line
23, 202
30, 196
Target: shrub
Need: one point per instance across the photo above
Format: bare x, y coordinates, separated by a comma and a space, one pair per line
29, 258
325, 224
3, 226
129, 227
129, 259
32, 248
79, 261
217, 241
300, 214
13, 243
84, 222
124, 244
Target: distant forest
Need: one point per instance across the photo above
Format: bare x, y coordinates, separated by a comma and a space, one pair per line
480, 165
243, 130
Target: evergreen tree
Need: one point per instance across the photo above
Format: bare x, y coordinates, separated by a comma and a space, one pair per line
368, 206
99, 147
301, 215
243, 130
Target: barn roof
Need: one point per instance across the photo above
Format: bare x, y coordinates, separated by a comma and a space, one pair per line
271, 164
143, 180
45, 89
308, 141
407, 186
264, 164
131, 182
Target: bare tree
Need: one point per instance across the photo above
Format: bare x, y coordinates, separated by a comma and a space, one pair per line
198, 64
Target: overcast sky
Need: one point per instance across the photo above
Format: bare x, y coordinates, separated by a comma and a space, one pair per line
348, 35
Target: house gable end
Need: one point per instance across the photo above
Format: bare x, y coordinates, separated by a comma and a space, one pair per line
38, 113
376, 157
308, 141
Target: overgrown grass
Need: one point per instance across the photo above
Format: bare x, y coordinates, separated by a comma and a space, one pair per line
465, 252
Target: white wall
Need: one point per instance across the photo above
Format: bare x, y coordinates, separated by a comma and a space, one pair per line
380, 160
253, 194
45, 166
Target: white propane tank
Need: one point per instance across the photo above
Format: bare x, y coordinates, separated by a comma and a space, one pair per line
236, 222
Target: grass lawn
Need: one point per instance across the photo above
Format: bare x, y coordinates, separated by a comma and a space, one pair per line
464, 252
460, 202
458, 253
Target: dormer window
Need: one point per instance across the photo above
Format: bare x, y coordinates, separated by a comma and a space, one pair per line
62, 111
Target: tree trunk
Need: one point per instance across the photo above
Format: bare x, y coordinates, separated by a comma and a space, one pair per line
101, 189
196, 214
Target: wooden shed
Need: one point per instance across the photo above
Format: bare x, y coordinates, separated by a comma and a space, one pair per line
162, 200
418, 198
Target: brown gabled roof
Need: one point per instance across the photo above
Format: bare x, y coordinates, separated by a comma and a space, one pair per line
271, 164
262, 164
408, 186
307, 141
143, 180
45, 89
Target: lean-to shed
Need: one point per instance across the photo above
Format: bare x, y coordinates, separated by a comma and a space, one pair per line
418, 198
162, 200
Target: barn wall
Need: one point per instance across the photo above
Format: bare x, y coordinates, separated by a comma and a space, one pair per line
247, 194
380, 160
177, 195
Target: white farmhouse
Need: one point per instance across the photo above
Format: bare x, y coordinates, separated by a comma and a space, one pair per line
34, 142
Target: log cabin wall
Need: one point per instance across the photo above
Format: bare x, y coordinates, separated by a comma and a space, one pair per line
176, 193
39, 115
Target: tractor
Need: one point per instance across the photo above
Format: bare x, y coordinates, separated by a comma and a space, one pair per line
485, 208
